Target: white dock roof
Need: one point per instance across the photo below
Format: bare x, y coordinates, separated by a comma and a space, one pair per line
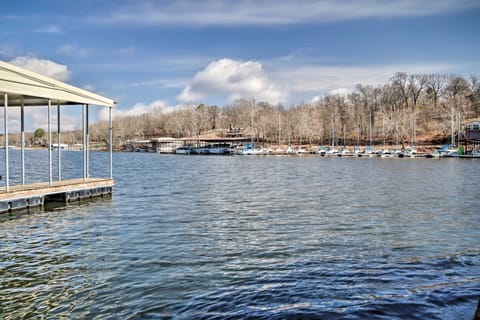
32, 89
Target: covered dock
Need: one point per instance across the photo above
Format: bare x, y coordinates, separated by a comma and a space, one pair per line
20, 88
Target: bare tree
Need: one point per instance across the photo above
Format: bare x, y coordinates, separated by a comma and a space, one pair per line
400, 82
435, 85
474, 95
370, 101
213, 115
416, 84
456, 90
356, 114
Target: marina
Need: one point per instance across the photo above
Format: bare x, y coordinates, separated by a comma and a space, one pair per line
241, 142
227, 148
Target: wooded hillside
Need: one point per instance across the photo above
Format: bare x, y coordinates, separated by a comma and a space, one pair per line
409, 109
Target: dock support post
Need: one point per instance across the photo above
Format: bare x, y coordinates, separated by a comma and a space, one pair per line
59, 141
22, 129
111, 140
5, 126
85, 141
86, 144
84, 135
50, 165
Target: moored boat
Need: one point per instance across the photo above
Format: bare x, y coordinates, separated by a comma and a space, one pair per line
183, 150
200, 150
219, 150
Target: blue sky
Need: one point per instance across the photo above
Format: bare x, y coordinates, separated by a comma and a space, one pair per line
166, 54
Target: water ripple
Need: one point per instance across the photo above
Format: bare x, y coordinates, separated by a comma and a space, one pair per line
253, 238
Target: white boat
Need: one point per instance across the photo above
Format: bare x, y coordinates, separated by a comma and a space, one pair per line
247, 150
301, 151
385, 153
289, 150
183, 150
332, 151
398, 153
61, 146
251, 150
321, 151
445, 151
218, 150
344, 153
412, 152
369, 151
142, 149
357, 150
201, 150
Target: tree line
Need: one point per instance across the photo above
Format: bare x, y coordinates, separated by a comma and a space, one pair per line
408, 109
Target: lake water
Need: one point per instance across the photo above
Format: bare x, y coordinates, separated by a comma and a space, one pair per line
231, 237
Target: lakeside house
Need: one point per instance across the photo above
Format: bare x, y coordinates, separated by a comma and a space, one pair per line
471, 140
472, 130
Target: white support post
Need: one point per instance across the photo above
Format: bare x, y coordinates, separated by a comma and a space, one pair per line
59, 141
110, 126
22, 129
84, 118
50, 165
86, 145
5, 127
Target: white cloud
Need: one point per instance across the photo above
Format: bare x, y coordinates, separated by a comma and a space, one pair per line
126, 52
7, 50
314, 79
37, 118
167, 83
137, 110
234, 80
340, 91
89, 87
49, 29
70, 118
273, 12
44, 67
72, 51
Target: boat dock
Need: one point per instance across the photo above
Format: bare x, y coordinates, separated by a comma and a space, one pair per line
39, 194
20, 89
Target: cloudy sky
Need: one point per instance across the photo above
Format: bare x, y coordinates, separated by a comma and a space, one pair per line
164, 54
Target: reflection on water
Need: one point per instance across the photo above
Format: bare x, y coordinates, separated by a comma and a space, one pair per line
245, 237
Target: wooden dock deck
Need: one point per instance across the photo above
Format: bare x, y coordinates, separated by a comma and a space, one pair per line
37, 194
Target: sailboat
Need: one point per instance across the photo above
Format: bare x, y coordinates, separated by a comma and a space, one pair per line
250, 149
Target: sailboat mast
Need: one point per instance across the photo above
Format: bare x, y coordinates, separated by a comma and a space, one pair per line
279, 128
383, 131
371, 126
333, 130
253, 106
453, 124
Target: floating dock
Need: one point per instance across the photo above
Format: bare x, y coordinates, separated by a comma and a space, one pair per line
37, 195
